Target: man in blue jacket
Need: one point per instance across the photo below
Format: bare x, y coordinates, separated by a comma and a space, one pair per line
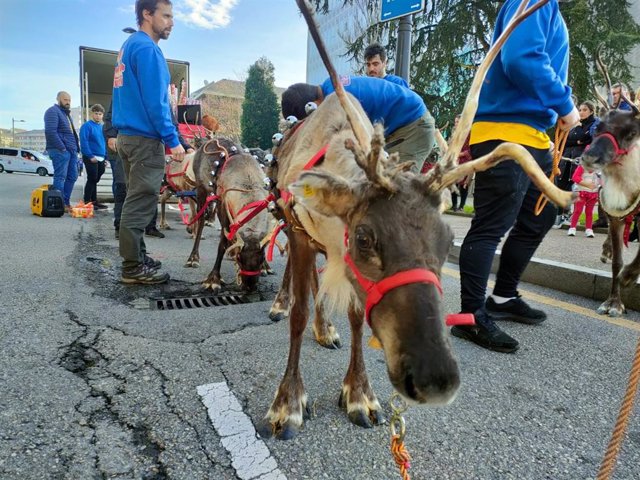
142, 116
62, 146
409, 128
525, 92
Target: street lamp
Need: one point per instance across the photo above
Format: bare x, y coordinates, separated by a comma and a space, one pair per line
13, 130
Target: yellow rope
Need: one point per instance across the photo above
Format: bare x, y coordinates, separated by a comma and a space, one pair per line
610, 457
560, 141
401, 456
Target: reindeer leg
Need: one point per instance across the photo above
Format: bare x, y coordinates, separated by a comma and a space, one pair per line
323, 329
357, 395
280, 306
214, 281
606, 248
193, 209
194, 258
613, 305
166, 195
630, 273
290, 406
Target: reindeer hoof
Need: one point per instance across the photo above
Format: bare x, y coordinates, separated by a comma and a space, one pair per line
285, 432
331, 344
604, 258
360, 417
166, 226
276, 316
192, 264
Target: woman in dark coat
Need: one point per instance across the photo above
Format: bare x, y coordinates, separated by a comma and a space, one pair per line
579, 137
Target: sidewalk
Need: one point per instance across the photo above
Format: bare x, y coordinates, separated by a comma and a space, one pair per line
568, 264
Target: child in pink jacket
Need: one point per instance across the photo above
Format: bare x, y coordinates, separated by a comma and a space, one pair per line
586, 183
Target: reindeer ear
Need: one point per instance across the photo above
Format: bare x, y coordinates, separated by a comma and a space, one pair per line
325, 193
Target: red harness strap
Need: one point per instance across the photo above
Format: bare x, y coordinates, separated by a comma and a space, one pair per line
169, 175
618, 151
272, 240
377, 290
253, 208
210, 199
284, 194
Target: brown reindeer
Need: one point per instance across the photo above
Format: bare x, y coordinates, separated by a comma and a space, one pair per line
380, 227
616, 151
238, 183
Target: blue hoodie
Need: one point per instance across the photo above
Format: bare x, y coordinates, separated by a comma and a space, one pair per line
92, 140
383, 101
527, 82
140, 91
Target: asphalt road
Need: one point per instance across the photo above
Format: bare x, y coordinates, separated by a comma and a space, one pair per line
95, 384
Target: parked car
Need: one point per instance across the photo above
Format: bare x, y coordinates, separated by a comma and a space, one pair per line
21, 160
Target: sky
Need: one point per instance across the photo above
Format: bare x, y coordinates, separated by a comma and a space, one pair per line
40, 40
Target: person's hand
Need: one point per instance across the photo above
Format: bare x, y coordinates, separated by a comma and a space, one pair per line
190, 150
112, 143
569, 121
177, 153
94, 160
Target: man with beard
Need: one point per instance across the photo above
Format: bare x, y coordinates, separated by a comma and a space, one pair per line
62, 146
142, 116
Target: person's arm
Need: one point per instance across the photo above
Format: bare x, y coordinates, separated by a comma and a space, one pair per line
528, 66
51, 121
108, 130
85, 136
151, 66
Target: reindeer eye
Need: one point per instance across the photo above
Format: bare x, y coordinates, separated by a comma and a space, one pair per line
364, 239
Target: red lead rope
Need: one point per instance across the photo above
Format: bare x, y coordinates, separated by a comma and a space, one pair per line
377, 290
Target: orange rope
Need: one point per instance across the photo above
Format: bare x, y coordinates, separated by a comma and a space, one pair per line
401, 456
559, 141
609, 461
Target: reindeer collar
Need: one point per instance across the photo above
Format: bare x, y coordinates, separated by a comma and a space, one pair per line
620, 152
631, 210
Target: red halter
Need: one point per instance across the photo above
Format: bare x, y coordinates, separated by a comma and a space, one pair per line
618, 151
377, 290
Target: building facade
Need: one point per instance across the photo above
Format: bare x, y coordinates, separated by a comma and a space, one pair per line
31, 140
342, 24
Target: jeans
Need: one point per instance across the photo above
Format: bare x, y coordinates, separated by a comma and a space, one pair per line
504, 199
94, 173
65, 172
143, 163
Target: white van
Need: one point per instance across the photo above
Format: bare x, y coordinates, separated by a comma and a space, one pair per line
21, 160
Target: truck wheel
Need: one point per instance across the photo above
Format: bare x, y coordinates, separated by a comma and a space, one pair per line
42, 172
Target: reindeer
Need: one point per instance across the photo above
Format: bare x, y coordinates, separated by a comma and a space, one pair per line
179, 177
236, 179
614, 150
381, 229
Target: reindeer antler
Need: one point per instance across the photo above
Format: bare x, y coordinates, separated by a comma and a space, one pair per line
449, 162
373, 162
602, 68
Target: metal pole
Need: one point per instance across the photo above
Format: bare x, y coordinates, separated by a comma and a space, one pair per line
13, 131
403, 50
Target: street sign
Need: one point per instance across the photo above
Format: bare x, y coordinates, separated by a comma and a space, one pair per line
399, 8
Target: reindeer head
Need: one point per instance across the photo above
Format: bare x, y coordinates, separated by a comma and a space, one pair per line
616, 135
248, 254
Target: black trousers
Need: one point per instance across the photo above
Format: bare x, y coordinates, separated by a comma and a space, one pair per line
504, 199
94, 173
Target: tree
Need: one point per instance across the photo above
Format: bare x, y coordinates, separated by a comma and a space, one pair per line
451, 37
260, 111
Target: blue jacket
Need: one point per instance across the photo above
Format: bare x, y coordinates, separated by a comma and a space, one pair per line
383, 101
58, 131
92, 140
396, 79
527, 82
140, 91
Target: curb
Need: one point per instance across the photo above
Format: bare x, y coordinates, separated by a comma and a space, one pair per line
567, 278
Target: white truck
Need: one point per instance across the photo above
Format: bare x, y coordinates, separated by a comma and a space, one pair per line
96, 86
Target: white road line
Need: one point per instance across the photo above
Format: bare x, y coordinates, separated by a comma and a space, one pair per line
250, 457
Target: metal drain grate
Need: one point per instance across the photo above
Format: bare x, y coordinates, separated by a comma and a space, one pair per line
182, 303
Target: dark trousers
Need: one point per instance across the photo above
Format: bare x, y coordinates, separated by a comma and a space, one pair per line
143, 163
94, 174
464, 191
504, 197
119, 190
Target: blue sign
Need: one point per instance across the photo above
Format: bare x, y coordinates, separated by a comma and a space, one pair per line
399, 8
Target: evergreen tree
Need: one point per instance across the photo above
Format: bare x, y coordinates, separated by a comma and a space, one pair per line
260, 110
451, 37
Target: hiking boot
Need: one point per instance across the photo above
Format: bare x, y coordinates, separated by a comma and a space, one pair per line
154, 232
516, 310
151, 263
143, 275
486, 334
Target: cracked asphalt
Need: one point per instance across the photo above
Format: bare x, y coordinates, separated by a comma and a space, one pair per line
94, 384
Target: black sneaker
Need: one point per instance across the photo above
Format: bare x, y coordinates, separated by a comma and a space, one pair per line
151, 263
154, 232
486, 334
143, 275
100, 206
515, 310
